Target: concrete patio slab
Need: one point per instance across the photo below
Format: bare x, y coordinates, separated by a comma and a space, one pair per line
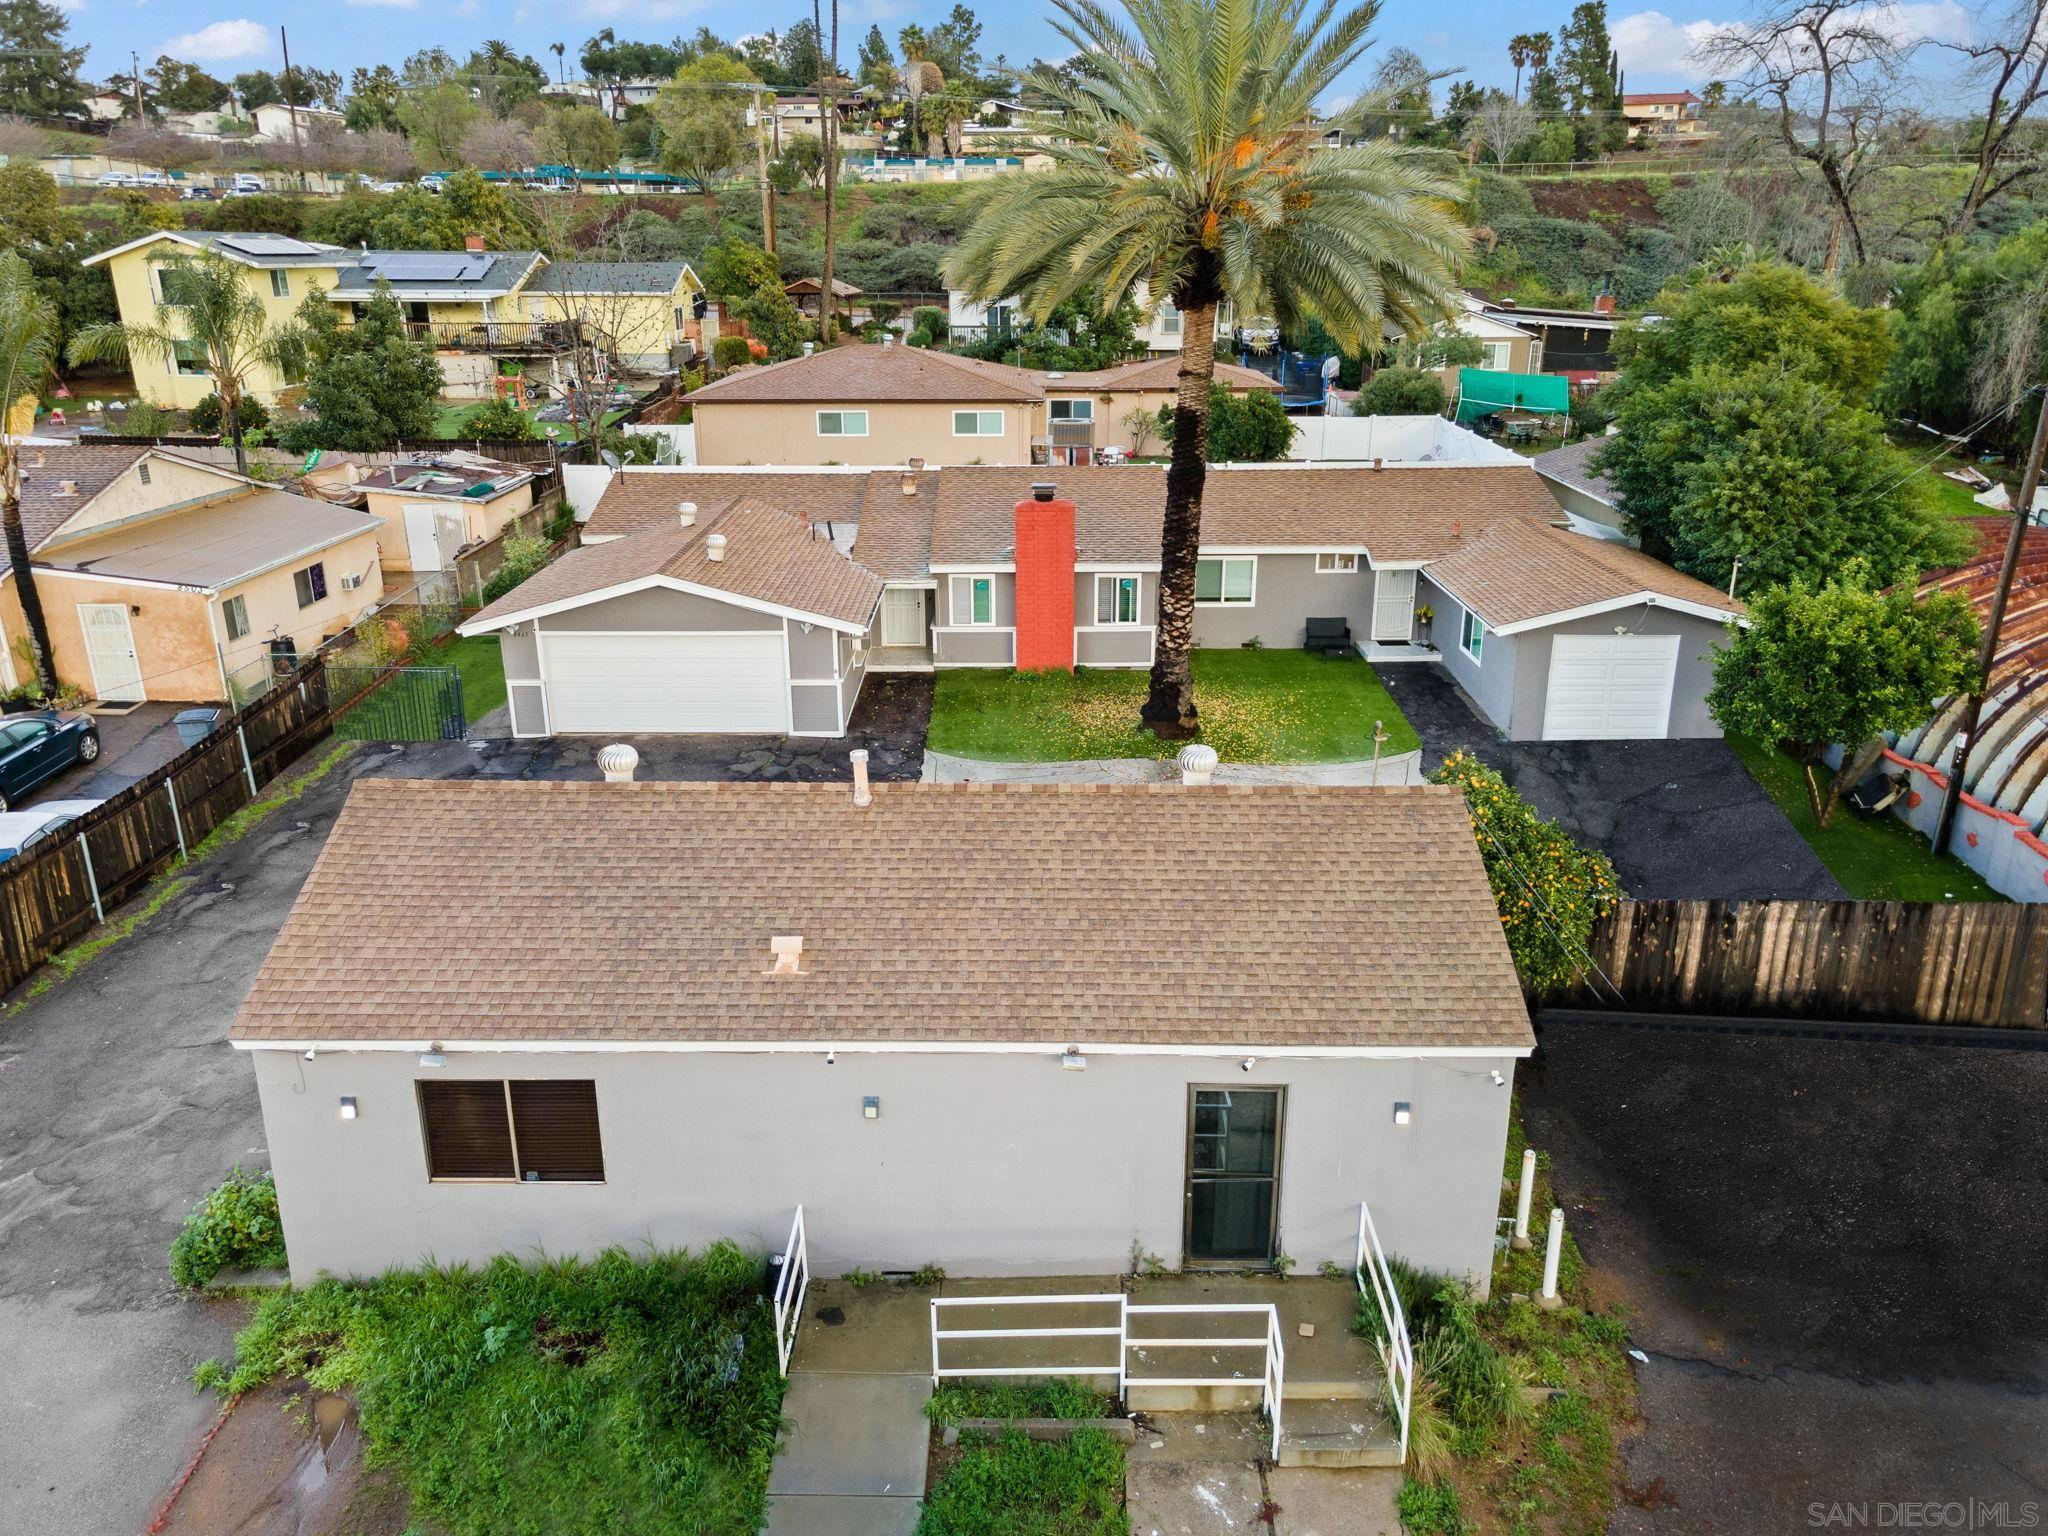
883, 1327
1218, 1499
853, 1435
1319, 1501
945, 768
837, 1516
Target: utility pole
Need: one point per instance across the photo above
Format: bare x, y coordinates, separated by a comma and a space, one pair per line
828, 102
761, 163
135, 82
291, 106
1987, 652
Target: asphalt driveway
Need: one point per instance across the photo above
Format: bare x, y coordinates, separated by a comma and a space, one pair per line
1679, 818
1833, 1256
133, 745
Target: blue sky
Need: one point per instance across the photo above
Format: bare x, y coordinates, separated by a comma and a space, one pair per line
228, 36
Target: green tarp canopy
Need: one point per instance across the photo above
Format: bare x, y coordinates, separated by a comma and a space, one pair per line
1481, 392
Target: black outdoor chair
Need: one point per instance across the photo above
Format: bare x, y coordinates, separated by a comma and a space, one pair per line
1329, 637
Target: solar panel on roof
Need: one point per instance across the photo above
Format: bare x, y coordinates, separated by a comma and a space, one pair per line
423, 267
268, 245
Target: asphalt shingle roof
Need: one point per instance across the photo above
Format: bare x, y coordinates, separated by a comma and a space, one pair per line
608, 277
1151, 374
1567, 466
1518, 570
45, 505
940, 913
868, 374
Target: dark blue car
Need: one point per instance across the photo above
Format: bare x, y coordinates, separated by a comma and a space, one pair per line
40, 744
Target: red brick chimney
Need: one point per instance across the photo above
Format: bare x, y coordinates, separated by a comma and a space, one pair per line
1604, 305
473, 243
1045, 582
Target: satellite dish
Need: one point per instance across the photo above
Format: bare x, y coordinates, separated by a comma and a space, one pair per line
611, 460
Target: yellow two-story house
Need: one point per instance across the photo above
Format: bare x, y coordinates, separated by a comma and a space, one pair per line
478, 307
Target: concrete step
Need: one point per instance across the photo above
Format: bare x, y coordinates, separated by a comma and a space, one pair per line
1345, 1389
1340, 1432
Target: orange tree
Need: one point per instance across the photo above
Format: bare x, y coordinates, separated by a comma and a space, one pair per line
1549, 890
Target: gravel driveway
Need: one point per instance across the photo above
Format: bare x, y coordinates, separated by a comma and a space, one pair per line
1679, 818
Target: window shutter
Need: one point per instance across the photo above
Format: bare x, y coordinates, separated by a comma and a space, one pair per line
468, 1136
556, 1124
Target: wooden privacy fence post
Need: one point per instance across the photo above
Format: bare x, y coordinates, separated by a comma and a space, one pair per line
91, 880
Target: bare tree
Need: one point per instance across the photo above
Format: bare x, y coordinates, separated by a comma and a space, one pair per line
1499, 124
498, 145
1829, 73
19, 136
150, 144
2012, 69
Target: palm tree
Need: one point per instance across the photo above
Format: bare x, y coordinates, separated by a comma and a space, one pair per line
211, 312
1184, 161
556, 49
1524, 47
28, 355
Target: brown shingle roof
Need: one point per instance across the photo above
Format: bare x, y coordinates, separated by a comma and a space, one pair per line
873, 375
1567, 466
941, 913
1519, 570
1148, 374
1399, 514
44, 507
643, 498
770, 557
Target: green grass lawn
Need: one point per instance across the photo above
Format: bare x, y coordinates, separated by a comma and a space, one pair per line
1881, 860
1021, 1487
1266, 706
448, 421
482, 665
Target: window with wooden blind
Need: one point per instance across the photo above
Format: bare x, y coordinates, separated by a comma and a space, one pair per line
533, 1131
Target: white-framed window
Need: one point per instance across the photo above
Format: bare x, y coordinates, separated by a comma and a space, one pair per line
1118, 599
1336, 562
1472, 634
235, 613
1226, 582
1071, 410
280, 283
1169, 318
974, 600
977, 423
842, 423
188, 357
310, 583
1000, 317
1496, 355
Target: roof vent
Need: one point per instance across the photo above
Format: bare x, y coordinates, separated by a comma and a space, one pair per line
788, 950
1055, 374
714, 546
1197, 763
862, 795
67, 487
1042, 490
810, 347
617, 762
686, 513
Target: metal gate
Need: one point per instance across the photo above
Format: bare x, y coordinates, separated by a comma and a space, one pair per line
399, 703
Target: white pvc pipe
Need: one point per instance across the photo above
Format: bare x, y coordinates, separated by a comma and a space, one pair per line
1551, 1254
1522, 1200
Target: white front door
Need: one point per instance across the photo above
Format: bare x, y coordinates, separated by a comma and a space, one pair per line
110, 650
1393, 606
666, 682
1609, 687
432, 535
903, 616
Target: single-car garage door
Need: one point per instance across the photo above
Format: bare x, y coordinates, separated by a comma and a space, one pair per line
658, 683
1607, 687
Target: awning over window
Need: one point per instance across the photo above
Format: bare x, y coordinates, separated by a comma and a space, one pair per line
1482, 391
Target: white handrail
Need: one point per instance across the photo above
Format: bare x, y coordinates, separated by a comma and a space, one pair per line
790, 1287
940, 1370
1397, 1353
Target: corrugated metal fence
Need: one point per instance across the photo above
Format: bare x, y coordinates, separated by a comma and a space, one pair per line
1964, 963
51, 897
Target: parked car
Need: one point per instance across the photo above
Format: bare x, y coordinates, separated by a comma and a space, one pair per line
198, 195
387, 186
246, 181
152, 179
38, 744
114, 179
24, 831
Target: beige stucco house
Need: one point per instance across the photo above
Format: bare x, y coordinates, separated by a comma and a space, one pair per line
429, 508
163, 578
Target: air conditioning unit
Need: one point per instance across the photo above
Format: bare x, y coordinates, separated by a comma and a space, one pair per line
350, 583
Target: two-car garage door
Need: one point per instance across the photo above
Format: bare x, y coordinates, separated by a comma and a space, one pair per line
1609, 687
649, 683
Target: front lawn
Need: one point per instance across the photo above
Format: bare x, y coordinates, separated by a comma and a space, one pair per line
481, 661
627, 1396
1881, 860
1265, 706
1011, 1485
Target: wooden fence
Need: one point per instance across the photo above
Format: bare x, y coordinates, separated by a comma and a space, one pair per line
1963, 963
50, 897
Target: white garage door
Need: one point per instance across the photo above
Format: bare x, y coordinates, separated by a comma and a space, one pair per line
1606, 687
655, 683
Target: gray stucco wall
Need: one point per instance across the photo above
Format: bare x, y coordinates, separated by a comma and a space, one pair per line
986, 1165
811, 654
1114, 647
853, 670
814, 709
1579, 504
1286, 594
1697, 639
1004, 594
1491, 680
659, 608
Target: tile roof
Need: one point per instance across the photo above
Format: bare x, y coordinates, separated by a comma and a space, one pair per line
961, 913
1518, 570
866, 374
44, 506
1398, 513
608, 277
1567, 466
1151, 374
770, 557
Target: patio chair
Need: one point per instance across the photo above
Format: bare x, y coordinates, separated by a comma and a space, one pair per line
1329, 637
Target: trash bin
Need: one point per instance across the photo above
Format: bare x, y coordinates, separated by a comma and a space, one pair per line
195, 725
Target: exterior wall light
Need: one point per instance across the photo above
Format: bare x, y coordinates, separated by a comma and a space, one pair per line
1402, 1113
871, 1108
348, 1106
1073, 1060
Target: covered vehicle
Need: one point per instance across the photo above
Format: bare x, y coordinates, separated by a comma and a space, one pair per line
26, 831
40, 744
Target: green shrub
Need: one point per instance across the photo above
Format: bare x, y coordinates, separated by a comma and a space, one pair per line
1400, 392
208, 416
145, 420
729, 352
1431, 1509
524, 555
1017, 1486
496, 420
929, 326
235, 1227
1061, 1399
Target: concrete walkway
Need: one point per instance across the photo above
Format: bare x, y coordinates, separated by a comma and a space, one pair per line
1200, 1474
852, 1461
945, 768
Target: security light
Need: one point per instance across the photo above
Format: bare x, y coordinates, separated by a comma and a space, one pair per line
871, 1108
432, 1058
1073, 1060
1402, 1114
348, 1107
1248, 1063
831, 1058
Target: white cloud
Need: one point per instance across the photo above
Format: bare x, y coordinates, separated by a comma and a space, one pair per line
1650, 43
396, 5
221, 40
